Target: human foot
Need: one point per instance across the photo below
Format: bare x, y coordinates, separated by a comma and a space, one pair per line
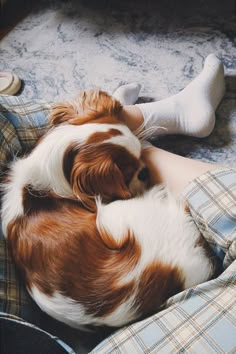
192, 110
127, 94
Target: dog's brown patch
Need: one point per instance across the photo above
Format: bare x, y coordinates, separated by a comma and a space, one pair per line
94, 106
99, 169
58, 248
158, 282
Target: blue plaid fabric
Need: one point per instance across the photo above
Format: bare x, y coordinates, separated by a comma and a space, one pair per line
211, 199
21, 125
201, 319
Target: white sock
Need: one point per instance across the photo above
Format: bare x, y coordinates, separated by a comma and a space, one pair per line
192, 110
127, 94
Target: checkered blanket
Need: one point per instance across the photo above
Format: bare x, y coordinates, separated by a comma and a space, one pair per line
198, 320
21, 125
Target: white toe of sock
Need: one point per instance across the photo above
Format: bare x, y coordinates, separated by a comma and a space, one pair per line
127, 94
212, 61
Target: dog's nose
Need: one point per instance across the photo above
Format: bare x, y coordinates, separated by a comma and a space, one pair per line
143, 175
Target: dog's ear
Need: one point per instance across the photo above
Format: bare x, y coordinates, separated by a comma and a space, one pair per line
90, 106
62, 113
92, 172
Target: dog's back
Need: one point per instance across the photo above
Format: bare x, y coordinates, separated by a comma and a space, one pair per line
110, 267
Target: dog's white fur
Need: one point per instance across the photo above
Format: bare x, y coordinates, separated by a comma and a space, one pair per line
43, 167
159, 233
165, 233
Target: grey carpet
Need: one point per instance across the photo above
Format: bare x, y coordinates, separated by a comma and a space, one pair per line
65, 46
62, 47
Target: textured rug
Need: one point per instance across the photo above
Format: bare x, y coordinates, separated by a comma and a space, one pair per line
62, 47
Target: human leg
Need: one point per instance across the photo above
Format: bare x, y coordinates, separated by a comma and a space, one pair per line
174, 171
190, 112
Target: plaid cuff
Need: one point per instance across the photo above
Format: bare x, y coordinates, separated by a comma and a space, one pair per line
212, 202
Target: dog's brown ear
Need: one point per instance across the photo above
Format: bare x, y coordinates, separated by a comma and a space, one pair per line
62, 113
108, 185
97, 103
93, 173
90, 106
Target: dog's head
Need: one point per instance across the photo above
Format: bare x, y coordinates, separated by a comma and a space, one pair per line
107, 160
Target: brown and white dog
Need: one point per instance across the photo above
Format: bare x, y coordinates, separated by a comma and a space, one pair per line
86, 262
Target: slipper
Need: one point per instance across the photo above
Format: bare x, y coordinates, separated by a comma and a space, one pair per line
10, 84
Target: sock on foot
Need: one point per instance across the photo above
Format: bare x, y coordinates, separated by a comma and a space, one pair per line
127, 94
192, 110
